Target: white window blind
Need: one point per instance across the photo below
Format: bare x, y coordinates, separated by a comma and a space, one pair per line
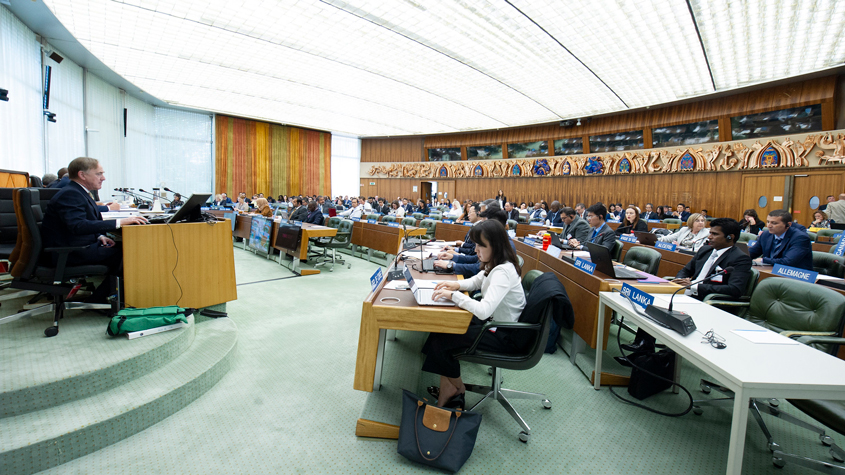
346, 165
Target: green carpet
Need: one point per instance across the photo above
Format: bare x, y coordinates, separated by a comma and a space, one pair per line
287, 403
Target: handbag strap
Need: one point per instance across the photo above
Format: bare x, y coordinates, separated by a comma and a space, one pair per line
417, 435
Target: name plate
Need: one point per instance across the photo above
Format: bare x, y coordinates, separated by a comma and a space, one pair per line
448, 221
394, 225
554, 251
205, 208
613, 221
653, 221
355, 219
283, 221
372, 221
668, 246
795, 273
585, 266
376, 279
840, 248
297, 223
529, 241
628, 238
637, 296
467, 223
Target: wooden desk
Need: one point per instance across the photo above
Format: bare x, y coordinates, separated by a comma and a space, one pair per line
199, 255
450, 232
523, 229
308, 231
378, 317
583, 291
381, 237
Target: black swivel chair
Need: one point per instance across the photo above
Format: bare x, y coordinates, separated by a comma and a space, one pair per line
531, 322
341, 240
32, 268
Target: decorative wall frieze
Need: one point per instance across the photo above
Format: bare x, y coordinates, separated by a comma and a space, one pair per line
768, 153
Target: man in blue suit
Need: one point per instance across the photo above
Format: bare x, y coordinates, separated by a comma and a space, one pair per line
781, 243
73, 219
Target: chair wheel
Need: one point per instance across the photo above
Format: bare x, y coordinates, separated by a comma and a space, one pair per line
705, 388
52, 331
774, 402
836, 456
524, 437
547, 404
772, 446
778, 462
697, 410
826, 440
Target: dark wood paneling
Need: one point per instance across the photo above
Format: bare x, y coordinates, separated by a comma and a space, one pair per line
400, 149
813, 91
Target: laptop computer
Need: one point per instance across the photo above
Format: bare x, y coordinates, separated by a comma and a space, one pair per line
423, 296
556, 242
646, 238
601, 258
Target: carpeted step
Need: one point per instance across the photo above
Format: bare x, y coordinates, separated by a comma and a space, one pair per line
52, 436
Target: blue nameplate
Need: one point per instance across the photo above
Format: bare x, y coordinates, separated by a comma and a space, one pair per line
355, 219
467, 223
448, 221
637, 296
394, 225
653, 220
372, 221
628, 238
529, 241
668, 246
376, 279
585, 266
795, 273
206, 209
840, 248
297, 223
614, 221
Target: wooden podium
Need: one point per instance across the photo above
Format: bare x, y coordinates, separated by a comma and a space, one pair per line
158, 259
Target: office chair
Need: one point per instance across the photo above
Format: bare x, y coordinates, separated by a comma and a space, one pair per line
512, 223
373, 216
795, 309
616, 253
409, 221
746, 237
31, 269
418, 216
813, 236
534, 322
388, 219
673, 221
333, 222
529, 278
643, 259
341, 240
430, 227
522, 219
35, 182
729, 304
828, 233
435, 217
826, 263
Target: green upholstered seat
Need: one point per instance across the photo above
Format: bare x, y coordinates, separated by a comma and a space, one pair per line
388, 219
512, 224
373, 216
528, 279
643, 259
747, 237
409, 221
616, 253
673, 221
828, 264
334, 222
522, 218
813, 236
418, 215
430, 226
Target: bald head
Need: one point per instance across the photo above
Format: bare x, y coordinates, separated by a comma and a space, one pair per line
842, 196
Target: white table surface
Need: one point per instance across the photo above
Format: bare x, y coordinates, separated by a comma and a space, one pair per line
750, 370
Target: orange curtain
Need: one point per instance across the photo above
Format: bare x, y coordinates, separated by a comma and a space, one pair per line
257, 157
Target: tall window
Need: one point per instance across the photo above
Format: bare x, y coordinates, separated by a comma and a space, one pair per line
796, 120
346, 165
616, 142
444, 154
685, 134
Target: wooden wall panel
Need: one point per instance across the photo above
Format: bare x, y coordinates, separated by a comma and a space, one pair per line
813, 91
400, 149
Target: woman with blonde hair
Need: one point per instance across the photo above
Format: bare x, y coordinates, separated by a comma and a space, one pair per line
692, 236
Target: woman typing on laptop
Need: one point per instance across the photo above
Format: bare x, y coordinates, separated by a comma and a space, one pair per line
503, 300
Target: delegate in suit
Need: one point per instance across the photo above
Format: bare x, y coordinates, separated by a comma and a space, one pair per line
73, 219
600, 233
574, 227
782, 243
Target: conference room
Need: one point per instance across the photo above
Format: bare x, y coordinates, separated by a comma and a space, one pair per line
261, 237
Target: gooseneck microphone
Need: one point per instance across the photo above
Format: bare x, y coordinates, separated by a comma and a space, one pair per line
679, 321
153, 195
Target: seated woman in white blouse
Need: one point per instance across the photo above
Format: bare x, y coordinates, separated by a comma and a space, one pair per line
693, 236
503, 300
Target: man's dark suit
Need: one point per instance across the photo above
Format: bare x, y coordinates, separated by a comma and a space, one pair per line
468, 247
795, 251
578, 229
315, 217
60, 183
299, 214
513, 214
554, 218
732, 284
327, 205
646, 215
73, 219
606, 237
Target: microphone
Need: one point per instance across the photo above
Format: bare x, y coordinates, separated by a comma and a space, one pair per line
726, 270
624, 227
679, 321
153, 195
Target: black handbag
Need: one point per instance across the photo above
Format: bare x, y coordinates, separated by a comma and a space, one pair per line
435, 436
642, 385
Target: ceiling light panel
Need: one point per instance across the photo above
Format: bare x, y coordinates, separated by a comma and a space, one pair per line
647, 51
753, 41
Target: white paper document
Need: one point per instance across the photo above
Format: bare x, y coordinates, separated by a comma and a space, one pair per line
765, 337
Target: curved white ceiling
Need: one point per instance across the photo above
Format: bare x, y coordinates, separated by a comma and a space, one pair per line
393, 67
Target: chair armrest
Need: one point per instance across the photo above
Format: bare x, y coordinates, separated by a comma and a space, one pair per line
834, 340
797, 334
63, 253
726, 303
494, 324
725, 298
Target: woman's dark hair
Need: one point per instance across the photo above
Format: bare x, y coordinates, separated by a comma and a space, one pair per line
625, 221
749, 212
494, 234
544, 205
